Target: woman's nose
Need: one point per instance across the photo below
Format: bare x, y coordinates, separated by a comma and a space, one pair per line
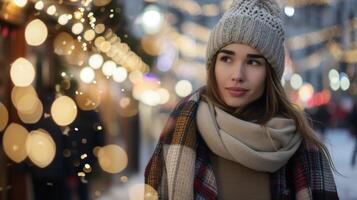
239, 73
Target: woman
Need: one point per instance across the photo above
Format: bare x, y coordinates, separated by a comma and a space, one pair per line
239, 137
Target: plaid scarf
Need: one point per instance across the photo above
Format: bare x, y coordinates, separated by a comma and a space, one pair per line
180, 167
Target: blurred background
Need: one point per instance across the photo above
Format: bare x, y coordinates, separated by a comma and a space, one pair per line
86, 87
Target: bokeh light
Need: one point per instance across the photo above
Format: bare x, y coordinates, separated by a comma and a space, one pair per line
20, 3
63, 19
18, 92
40, 148
22, 72
306, 91
183, 88
345, 82
150, 98
14, 140
4, 116
77, 28
289, 11
109, 67
112, 158
63, 110
77, 56
96, 61
51, 10
152, 19
120, 74
89, 35
32, 116
99, 28
26, 103
142, 191
164, 95
63, 44
88, 100
39, 5
296, 81
100, 3
87, 75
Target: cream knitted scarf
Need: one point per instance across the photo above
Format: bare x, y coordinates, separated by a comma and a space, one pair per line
260, 148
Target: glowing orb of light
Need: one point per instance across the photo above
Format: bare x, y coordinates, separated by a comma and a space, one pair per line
64, 110
40, 148
4, 116
112, 158
142, 191
22, 72
87, 75
14, 141
20, 3
36, 32
63, 44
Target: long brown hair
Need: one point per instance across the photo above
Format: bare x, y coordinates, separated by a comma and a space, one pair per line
274, 102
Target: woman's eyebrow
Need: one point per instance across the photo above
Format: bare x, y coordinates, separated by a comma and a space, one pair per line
226, 52
255, 56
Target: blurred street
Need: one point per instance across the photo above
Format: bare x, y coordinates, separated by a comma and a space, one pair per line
86, 87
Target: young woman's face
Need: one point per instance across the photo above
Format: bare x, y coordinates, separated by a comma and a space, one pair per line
240, 72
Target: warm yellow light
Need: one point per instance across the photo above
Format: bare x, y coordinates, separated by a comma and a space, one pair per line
63, 44
32, 116
142, 191
77, 28
150, 97
109, 68
112, 158
164, 95
88, 101
105, 46
99, 28
14, 140
27, 103
136, 77
63, 19
78, 14
20, 3
40, 148
101, 2
124, 102
120, 74
63, 111
51, 10
96, 61
87, 168
89, 35
39, 5
22, 72
36, 32
18, 92
78, 55
4, 116
87, 75
306, 92
183, 88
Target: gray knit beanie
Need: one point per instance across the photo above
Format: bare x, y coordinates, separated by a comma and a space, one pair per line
257, 23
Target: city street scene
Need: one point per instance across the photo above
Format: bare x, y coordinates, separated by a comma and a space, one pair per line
178, 99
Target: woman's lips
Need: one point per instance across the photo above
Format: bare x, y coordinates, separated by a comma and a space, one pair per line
237, 92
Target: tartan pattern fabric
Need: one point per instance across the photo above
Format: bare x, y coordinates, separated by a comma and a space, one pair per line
307, 175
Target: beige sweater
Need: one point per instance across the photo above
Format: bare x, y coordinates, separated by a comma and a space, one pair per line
234, 181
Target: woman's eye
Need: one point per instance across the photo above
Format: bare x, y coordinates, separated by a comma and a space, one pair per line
225, 59
254, 62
